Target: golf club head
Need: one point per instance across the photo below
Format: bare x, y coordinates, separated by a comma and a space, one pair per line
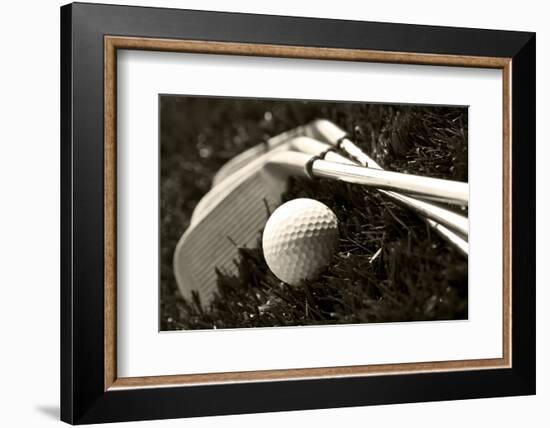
242, 159
225, 178
223, 186
231, 216
234, 220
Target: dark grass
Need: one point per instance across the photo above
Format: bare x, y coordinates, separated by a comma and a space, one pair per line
389, 266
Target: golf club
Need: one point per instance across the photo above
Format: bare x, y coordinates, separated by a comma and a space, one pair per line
447, 191
319, 129
237, 212
451, 219
442, 216
331, 134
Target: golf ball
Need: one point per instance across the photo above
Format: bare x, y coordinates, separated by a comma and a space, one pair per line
299, 240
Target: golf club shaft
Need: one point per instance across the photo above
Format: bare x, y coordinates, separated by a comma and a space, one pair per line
314, 167
455, 221
448, 218
433, 188
446, 223
337, 137
458, 242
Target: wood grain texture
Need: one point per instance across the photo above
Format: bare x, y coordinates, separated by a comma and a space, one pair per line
296, 374
110, 214
507, 212
112, 43
248, 49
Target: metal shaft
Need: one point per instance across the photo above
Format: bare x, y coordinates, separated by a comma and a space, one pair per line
433, 188
447, 234
335, 136
453, 192
451, 219
332, 134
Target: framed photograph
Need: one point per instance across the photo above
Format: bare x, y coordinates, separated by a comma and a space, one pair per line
267, 213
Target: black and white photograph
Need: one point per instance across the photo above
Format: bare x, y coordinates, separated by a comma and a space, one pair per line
280, 212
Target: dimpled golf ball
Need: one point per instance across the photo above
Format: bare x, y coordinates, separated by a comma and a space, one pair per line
299, 240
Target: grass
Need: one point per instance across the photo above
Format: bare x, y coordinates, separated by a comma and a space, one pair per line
389, 266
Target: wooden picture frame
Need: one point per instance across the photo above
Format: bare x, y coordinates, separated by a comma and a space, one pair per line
91, 390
